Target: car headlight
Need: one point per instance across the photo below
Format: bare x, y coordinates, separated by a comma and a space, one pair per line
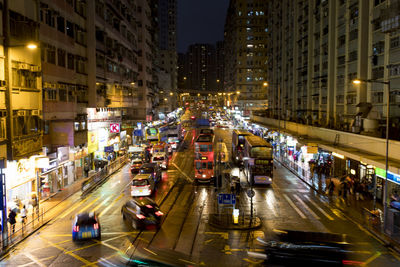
204, 176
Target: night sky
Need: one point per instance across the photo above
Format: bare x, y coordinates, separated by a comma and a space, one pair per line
200, 21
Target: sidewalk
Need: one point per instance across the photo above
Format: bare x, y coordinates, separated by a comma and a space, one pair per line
358, 211
47, 211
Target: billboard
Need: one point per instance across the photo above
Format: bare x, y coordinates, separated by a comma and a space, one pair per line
93, 142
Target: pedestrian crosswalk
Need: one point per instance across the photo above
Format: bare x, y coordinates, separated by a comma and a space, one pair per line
279, 203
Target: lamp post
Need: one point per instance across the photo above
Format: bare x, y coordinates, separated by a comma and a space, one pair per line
387, 83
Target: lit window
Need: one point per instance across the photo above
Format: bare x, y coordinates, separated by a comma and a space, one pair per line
240, 13
266, 29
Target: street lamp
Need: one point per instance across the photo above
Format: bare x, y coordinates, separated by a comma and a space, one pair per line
32, 46
387, 83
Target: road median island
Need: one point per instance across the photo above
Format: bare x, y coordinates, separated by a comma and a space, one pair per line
225, 221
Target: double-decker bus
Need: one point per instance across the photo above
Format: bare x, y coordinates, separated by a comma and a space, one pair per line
238, 138
258, 160
204, 158
152, 135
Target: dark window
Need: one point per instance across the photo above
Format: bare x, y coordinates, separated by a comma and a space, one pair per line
62, 93
61, 57
61, 24
71, 61
70, 29
51, 54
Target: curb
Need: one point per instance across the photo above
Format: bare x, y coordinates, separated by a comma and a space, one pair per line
215, 223
383, 239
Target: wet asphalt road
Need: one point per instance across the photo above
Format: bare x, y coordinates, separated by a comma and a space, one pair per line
185, 237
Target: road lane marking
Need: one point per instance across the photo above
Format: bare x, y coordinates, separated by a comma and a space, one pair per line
148, 250
294, 206
184, 174
338, 213
189, 262
374, 257
253, 262
101, 204
89, 205
84, 247
105, 260
110, 246
112, 203
227, 250
321, 210
208, 241
73, 207
306, 207
222, 234
34, 259
64, 250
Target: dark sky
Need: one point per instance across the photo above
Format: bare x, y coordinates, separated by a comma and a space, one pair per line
200, 21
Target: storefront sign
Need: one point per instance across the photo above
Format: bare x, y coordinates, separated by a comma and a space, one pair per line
139, 125
93, 142
312, 148
114, 127
62, 153
390, 176
109, 149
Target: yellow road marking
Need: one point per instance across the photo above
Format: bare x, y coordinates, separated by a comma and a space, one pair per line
184, 174
294, 206
208, 241
77, 249
227, 250
110, 246
103, 259
65, 251
338, 213
34, 259
279, 231
112, 203
98, 206
252, 262
148, 250
222, 234
90, 204
321, 210
190, 262
371, 259
68, 211
394, 254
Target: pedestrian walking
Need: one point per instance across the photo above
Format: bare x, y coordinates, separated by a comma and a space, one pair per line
331, 187
35, 205
232, 186
11, 219
86, 169
23, 215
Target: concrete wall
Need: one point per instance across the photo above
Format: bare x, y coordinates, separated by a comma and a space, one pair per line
368, 144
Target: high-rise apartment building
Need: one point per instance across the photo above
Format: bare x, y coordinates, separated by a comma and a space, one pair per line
245, 41
317, 48
219, 65
63, 40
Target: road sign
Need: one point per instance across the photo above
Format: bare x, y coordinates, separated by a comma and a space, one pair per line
226, 199
250, 193
114, 128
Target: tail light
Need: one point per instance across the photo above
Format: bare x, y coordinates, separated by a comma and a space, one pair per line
96, 226
140, 216
76, 228
164, 162
154, 174
159, 213
149, 206
353, 263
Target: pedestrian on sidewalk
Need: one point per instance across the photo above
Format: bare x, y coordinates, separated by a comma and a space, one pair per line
86, 169
331, 187
23, 215
11, 219
232, 186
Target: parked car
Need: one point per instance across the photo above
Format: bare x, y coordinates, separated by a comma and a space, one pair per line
142, 213
142, 185
86, 226
153, 169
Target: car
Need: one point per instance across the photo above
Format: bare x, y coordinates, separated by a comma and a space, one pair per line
153, 169
136, 163
206, 131
142, 185
161, 159
86, 226
193, 117
142, 213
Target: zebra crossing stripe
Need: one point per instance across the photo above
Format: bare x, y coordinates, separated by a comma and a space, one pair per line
306, 207
294, 206
321, 210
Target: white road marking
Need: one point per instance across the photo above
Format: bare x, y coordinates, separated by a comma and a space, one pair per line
321, 210
306, 207
294, 206
184, 174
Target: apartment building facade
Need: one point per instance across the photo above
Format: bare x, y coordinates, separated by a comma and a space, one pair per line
317, 48
245, 39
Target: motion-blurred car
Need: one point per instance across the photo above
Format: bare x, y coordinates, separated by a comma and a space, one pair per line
86, 226
136, 164
161, 159
142, 185
142, 213
153, 169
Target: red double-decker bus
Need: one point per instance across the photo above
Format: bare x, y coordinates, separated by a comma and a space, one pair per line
204, 158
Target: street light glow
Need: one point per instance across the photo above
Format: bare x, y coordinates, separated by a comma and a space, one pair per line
31, 46
265, 84
356, 81
171, 93
238, 92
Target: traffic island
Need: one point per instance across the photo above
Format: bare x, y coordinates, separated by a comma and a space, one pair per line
225, 221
